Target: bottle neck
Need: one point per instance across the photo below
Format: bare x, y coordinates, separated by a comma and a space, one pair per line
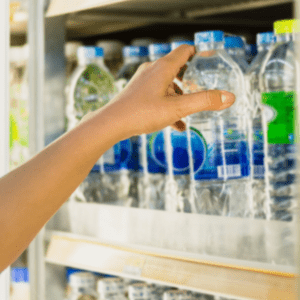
236, 51
83, 61
209, 46
285, 38
264, 47
135, 59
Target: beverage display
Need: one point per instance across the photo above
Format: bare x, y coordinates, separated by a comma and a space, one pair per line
264, 42
217, 141
234, 46
82, 286
277, 83
153, 155
91, 87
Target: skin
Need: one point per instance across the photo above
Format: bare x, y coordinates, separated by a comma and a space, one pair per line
31, 194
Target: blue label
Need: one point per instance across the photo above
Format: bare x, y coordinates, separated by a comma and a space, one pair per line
112, 159
126, 154
258, 153
208, 156
180, 155
156, 155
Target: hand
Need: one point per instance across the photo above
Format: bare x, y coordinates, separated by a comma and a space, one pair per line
151, 101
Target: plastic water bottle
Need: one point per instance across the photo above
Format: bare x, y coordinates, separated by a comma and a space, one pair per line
277, 82
129, 148
177, 184
111, 289
264, 42
82, 286
153, 155
234, 46
142, 291
91, 87
112, 54
178, 295
219, 158
251, 51
20, 289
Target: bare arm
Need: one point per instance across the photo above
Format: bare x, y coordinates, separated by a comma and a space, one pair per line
31, 194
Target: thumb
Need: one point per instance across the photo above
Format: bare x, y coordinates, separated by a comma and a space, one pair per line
206, 100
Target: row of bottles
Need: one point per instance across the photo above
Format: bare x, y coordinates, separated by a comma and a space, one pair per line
87, 285
239, 162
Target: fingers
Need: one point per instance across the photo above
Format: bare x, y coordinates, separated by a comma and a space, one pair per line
206, 100
175, 61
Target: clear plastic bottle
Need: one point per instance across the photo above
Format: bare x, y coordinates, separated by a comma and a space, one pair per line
91, 87
130, 165
112, 54
82, 286
178, 295
277, 82
218, 151
177, 185
264, 42
20, 289
153, 154
250, 51
111, 289
142, 291
234, 46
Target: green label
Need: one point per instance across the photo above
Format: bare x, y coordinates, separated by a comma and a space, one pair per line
280, 112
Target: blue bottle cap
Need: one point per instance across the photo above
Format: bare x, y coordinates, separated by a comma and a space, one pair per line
209, 36
138, 51
70, 271
264, 38
20, 275
174, 45
90, 52
156, 49
233, 42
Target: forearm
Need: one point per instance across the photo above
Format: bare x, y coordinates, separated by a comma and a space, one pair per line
57, 171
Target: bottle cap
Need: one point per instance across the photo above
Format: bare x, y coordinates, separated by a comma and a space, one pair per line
135, 51
287, 26
155, 49
112, 48
209, 36
176, 44
110, 286
177, 295
20, 275
82, 279
233, 42
141, 290
264, 38
89, 52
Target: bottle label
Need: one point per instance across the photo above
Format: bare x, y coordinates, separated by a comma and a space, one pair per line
127, 155
156, 155
112, 159
180, 154
280, 112
258, 153
219, 156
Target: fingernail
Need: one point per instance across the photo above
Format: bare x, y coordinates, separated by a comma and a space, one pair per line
223, 98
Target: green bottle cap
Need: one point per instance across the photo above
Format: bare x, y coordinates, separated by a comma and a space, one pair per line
287, 26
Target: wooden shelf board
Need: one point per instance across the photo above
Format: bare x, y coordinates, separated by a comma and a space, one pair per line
232, 281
